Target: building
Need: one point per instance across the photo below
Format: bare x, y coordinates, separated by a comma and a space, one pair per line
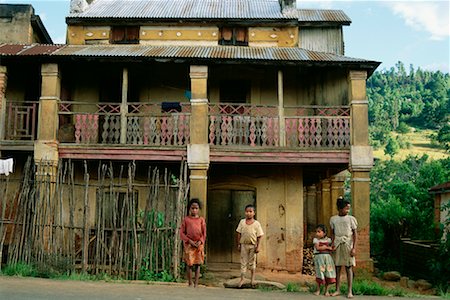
441, 194
257, 95
19, 24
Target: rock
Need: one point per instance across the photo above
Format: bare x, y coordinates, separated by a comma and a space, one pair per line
404, 281
392, 276
233, 284
423, 285
411, 284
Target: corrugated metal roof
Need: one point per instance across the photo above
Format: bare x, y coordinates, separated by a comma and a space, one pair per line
292, 54
322, 15
184, 9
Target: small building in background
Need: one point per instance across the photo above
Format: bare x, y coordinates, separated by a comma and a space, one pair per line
441, 194
19, 24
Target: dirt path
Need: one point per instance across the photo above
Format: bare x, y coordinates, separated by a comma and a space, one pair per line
18, 288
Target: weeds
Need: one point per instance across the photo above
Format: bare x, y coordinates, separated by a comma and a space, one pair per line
19, 269
292, 287
366, 287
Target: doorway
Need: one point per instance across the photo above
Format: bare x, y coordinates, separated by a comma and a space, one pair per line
225, 210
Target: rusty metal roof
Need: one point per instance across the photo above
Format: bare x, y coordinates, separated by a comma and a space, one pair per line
279, 54
183, 9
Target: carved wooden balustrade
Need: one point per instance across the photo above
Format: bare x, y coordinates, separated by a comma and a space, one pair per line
154, 124
243, 125
318, 127
158, 124
89, 123
259, 126
20, 121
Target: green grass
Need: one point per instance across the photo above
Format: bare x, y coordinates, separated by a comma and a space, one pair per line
292, 287
420, 144
19, 269
366, 287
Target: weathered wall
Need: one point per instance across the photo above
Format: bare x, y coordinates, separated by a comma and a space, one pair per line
15, 24
279, 203
322, 39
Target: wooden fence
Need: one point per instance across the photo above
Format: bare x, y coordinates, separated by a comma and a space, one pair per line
49, 216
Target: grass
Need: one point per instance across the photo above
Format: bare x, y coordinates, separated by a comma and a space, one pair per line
19, 269
292, 287
368, 288
420, 144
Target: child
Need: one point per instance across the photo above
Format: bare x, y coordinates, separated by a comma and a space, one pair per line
344, 242
323, 262
249, 233
193, 234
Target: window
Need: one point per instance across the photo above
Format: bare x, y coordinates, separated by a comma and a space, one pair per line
236, 36
125, 35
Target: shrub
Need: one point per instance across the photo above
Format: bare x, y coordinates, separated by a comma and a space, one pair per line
19, 269
402, 128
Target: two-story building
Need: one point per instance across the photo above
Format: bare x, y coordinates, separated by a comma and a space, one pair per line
257, 95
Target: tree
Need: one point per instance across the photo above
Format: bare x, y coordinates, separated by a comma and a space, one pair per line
392, 147
443, 136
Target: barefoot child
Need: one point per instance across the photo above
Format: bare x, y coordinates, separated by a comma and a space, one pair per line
193, 234
249, 233
323, 262
344, 242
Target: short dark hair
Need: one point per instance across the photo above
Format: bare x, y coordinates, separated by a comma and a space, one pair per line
252, 206
322, 227
341, 202
192, 201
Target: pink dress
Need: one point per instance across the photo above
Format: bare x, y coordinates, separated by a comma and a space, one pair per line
193, 229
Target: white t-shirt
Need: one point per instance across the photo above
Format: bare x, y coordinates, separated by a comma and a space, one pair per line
249, 232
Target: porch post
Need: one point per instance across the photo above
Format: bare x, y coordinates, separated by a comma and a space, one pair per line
124, 107
361, 162
3, 83
337, 189
281, 109
311, 211
46, 145
326, 202
198, 149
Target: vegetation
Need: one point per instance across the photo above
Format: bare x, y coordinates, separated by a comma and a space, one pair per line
399, 100
366, 287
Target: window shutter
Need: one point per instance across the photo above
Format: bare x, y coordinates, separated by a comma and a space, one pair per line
241, 35
118, 34
227, 33
132, 33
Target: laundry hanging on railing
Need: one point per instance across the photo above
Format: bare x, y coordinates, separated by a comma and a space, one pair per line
6, 166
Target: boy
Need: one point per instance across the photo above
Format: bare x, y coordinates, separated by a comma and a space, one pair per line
249, 233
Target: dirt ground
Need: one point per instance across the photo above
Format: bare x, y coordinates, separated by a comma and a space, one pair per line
217, 274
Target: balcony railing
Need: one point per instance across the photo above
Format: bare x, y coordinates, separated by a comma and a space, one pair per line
20, 121
259, 126
154, 124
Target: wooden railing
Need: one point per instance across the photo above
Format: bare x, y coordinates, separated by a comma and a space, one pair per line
259, 126
20, 121
156, 124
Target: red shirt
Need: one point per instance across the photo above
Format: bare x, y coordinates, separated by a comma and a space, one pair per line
193, 229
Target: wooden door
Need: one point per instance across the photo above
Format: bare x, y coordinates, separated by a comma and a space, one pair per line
225, 210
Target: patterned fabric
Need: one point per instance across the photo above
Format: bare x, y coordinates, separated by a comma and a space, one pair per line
325, 269
194, 256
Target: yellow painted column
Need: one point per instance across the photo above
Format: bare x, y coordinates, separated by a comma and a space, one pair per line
294, 219
3, 83
337, 189
281, 110
46, 146
319, 216
198, 149
311, 211
361, 162
326, 202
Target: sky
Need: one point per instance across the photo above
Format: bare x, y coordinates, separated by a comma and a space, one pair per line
414, 32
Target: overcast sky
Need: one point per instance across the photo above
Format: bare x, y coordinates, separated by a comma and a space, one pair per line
414, 32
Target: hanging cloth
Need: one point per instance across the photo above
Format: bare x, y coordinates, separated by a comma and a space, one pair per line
6, 166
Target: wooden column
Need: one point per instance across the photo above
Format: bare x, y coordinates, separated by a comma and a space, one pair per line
282, 124
124, 107
198, 149
361, 162
3, 83
46, 146
319, 216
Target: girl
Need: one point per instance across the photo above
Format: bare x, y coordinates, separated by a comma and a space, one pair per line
344, 243
323, 262
193, 234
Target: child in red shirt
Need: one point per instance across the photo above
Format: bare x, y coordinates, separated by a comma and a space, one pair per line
193, 234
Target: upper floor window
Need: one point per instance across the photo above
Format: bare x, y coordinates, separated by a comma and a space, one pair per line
125, 35
237, 36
